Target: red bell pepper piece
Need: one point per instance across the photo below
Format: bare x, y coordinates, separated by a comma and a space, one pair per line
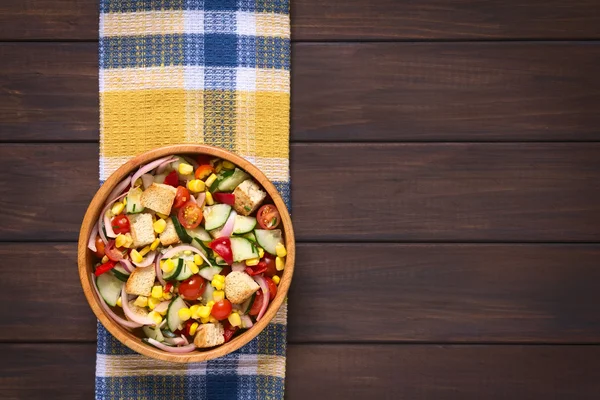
204, 171
222, 246
228, 330
225, 198
172, 179
256, 269
104, 268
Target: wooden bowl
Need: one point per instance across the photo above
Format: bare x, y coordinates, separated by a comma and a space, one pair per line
85, 257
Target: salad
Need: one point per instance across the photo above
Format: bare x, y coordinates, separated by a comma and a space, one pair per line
189, 252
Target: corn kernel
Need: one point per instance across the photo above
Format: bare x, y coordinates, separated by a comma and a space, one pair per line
135, 256
157, 292
159, 226
187, 252
184, 314
119, 303
123, 240
125, 200
193, 328
210, 304
234, 319
104, 260
163, 216
117, 208
156, 317
141, 301
280, 250
185, 169
198, 260
204, 320
218, 295
217, 282
153, 302
252, 262
210, 180
209, 199
192, 266
145, 250
196, 185
167, 266
279, 264
167, 296
228, 164
155, 244
261, 252
194, 310
202, 312
218, 167
276, 279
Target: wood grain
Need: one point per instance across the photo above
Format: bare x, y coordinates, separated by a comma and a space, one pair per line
351, 92
48, 91
446, 92
532, 192
347, 20
424, 293
42, 371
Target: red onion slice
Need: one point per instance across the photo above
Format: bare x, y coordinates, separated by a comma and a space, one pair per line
201, 199
185, 339
182, 248
149, 167
183, 349
162, 306
190, 161
246, 321
93, 236
106, 308
104, 218
227, 229
265, 289
126, 264
118, 189
238, 267
158, 271
146, 261
161, 168
176, 341
130, 314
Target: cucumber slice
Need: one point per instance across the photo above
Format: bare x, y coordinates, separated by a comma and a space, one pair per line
247, 305
199, 233
216, 216
268, 240
181, 232
250, 236
110, 288
160, 178
220, 261
208, 293
243, 249
209, 272
173, 320
199, 245
222, 175
243, 224
185, 273
134, 201
230, 183
168, 333
175, 272
120, 273
153, 333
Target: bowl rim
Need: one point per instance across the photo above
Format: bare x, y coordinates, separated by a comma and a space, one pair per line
84, 260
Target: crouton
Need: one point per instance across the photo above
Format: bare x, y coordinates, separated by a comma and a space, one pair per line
209, 335
140, 281
239, 286
159, 197
248, 196
142, 231
141, 311
169, 235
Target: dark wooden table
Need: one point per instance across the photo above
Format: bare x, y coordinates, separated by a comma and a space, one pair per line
446, 198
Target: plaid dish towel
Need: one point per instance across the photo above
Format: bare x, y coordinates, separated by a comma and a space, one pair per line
196, 71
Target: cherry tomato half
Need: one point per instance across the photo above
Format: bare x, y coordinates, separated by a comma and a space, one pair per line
172, 179
272, 288
99, 247
120, 224
181, 197
268, 217
221, 309
204, 171
192, 288
270, 261
190, 215
228, 331
257, 304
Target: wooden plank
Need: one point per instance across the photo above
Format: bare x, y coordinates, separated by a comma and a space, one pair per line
49, 91
41, 371
446, 92
347, 20
532, 192
351, 92
422, 293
